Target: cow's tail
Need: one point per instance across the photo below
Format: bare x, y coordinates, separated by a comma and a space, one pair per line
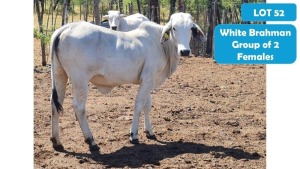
55, 65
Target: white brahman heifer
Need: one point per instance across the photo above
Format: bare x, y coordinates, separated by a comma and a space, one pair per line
83, 53
119, 23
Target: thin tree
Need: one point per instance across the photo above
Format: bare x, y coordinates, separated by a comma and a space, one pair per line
172, 7
55, 4
154, 10
97, 12
210, 28
180, 6
139, 5
39, 6
121, 6
86, 14
65, 12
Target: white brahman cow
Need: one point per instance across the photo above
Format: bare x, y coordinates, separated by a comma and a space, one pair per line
119, 23
83, 53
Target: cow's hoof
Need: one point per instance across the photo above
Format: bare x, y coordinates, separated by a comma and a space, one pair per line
59, 148
134, 141
56, 145
94, 148
151, 137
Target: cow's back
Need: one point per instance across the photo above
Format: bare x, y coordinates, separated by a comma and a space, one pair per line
113, 58
133, 22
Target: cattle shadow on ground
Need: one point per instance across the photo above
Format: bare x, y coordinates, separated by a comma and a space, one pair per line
139, 155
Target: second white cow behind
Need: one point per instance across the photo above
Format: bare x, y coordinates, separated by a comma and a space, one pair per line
119, 23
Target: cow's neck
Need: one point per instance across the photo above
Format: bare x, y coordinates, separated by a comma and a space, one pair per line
172, 57
121, 24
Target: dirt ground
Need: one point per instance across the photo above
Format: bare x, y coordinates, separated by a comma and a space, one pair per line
205, 116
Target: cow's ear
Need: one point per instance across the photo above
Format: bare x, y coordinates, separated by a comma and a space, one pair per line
197, 33
165, 33
165, 37
123, 15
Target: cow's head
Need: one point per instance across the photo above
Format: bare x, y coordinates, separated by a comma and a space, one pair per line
114, 19
180, 28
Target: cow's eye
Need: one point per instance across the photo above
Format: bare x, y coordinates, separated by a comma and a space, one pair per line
173, 28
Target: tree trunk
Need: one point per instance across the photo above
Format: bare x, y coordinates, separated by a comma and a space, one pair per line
121, 6
65, 12
172, 7
40, 13
149, 9
180, 6
210, 30
154, 11
97, 12
139, 5
86, 14
55, 4
215, 9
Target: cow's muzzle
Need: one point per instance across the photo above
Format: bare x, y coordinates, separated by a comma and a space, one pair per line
114, 28
184, 52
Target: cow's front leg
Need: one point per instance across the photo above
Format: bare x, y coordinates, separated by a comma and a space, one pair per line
140, 101
147, 125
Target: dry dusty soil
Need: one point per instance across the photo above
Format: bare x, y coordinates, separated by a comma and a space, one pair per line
205, 116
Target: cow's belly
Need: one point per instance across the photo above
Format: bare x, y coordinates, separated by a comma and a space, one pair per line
112, 81
115, 71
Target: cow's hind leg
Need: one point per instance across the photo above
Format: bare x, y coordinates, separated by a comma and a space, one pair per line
80, 88
147, 124
60, 80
